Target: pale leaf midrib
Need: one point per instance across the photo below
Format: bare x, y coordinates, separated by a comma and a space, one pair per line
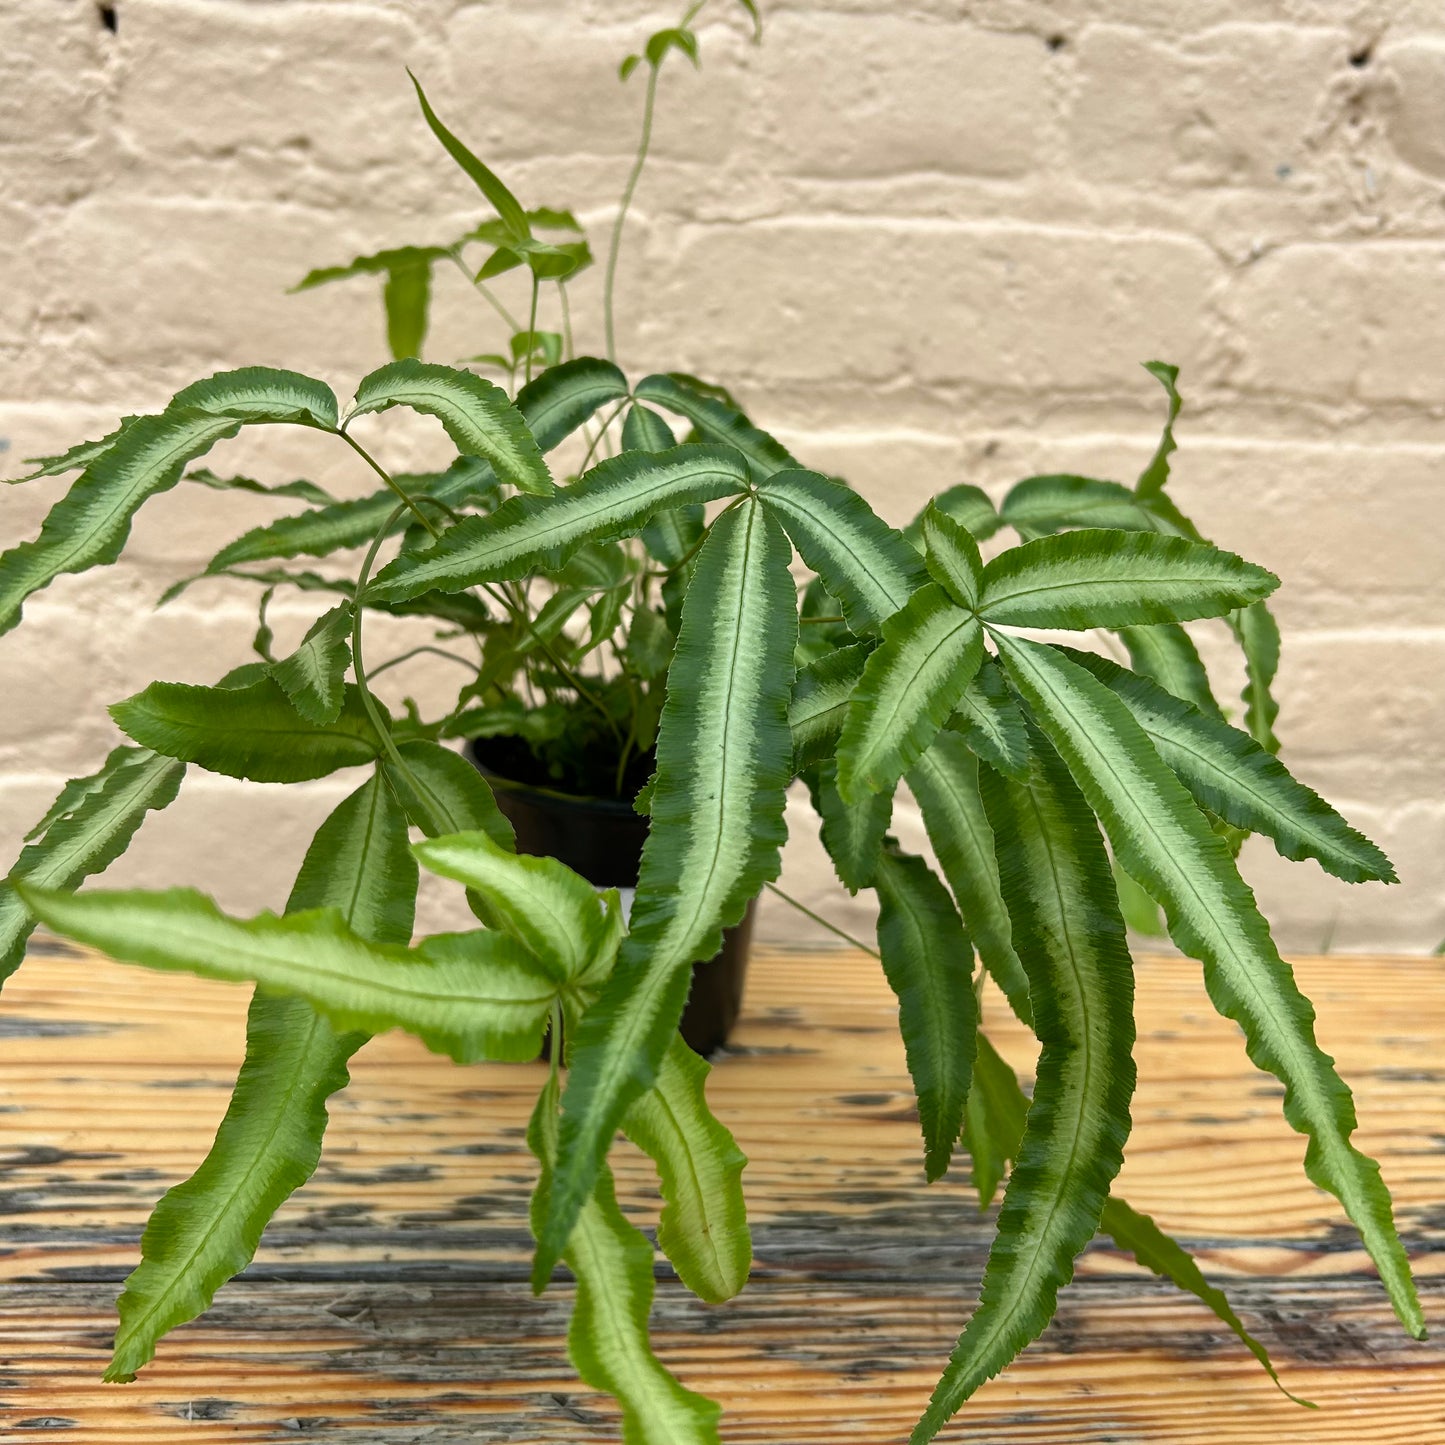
708, 1239
239, 960
623, 1327
1173, 581
580, 515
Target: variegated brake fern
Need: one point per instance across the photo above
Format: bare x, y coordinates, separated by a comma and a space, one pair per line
1058, 787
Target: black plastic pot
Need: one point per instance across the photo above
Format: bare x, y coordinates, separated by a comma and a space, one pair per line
602, 838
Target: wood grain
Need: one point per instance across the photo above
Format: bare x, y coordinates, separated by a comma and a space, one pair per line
388, 1304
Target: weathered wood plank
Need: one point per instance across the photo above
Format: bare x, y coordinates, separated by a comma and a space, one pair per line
388, 1304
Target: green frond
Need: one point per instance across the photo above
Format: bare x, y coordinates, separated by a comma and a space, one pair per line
704, 1225
314, 676
968, 505
1154, 476
1160, 836
821, 696
1137, 1234
467, 995
997, 1108
945, 783
952, 557
377, 263
859, 558
852, 835
1257, 634
565, 396
88, 527
1167, 654
1038, 506
993, 1122
477, 415
342, 525
247, 732
1068, 933
612, 500
88, 828
608, 1338
552, 911
205, 1231
441, 792
261, 394
645, 431
909, 688
1233, 777
307, 492
508, 207
716, 421
1079, 580
990, 722
73, 458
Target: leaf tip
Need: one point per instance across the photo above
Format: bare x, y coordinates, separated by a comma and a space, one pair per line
543, 1263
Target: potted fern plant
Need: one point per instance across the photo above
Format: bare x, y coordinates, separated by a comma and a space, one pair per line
1052, 782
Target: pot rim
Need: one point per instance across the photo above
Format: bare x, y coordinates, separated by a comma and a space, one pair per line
606, 807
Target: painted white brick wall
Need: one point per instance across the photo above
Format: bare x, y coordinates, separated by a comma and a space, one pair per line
925, 242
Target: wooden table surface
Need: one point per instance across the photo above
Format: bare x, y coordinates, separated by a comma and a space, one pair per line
388, 1304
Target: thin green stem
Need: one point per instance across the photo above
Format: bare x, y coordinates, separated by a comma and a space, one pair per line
485, 292
820, 920
596, 441
569, 350
633, 742
407, 502
532, 327
391, 662
649, 105
373, 710
696, 546
573, 679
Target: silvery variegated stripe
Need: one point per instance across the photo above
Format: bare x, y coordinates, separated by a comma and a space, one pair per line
612, 500
1161, 838
724, 759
